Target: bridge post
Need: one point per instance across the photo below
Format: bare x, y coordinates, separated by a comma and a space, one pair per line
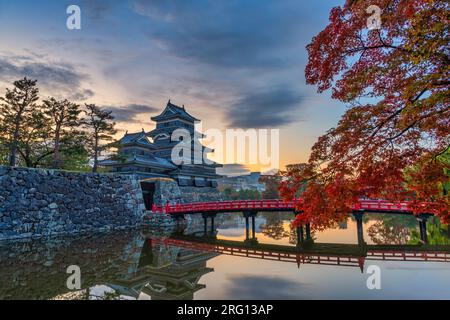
212, 224
250, 214
359, 226
308, 231
420, 230
422, 218
300, 235
247, 228
178, 216
205, 224
253, 227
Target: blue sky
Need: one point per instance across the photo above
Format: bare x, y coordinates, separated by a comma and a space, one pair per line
233, 63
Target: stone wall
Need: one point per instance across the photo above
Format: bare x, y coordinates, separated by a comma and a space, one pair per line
40, 203
192, 194
168, 191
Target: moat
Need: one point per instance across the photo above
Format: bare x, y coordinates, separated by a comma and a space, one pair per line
185, 263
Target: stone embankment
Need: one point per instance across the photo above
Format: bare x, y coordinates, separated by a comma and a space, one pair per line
40, 203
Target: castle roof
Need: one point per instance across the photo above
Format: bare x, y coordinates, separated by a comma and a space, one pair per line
138, 138
173, 111
149, 160
132, 137
170, 129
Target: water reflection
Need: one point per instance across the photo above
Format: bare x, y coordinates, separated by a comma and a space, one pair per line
223, 264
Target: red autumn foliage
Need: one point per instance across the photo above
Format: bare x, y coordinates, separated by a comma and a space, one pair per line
393, 140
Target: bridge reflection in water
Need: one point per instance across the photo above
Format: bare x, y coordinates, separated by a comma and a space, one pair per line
159, 265
323, 253
171, 267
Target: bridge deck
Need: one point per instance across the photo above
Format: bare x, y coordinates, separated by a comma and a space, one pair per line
370, 206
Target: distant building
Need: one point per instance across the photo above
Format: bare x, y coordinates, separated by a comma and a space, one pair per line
244, 182
148, 154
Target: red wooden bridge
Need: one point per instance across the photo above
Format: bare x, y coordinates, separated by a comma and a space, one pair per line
369, 206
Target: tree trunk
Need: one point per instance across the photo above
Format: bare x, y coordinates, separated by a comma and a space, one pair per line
12, 155
56, 156
13, 147
28, 161
94, 168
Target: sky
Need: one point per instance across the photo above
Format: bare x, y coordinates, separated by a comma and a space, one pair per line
232, 63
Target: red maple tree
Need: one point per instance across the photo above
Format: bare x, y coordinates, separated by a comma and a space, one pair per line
393, 140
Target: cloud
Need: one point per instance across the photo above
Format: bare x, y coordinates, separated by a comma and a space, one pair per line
82, 95
265, 109
97, 9
225, 34
61, 80
48, 74
265, 288
129, 112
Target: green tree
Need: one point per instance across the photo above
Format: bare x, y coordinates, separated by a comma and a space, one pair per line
74, 154
227, 192
33, 145
100, 130
17, 109
437, 233
63, 117
274, 227
445, 158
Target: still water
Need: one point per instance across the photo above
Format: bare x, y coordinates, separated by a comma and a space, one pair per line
184, 264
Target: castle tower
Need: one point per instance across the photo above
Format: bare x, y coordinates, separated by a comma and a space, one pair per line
149, 154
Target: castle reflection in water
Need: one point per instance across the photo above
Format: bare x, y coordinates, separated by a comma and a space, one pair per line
124, 262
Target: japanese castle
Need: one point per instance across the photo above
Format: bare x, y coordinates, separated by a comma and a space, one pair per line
148, 154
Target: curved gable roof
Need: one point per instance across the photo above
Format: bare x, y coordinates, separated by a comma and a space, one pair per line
174, 111
136, 138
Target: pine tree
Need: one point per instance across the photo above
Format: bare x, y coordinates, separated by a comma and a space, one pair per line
63, 118
100, 126
16, 111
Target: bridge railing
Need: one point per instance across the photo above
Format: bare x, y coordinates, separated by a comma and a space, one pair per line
225, 205
273, 204
381, 205
403, 206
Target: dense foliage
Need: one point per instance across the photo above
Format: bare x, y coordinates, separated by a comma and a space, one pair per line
51, 134
271, 183
393, 140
